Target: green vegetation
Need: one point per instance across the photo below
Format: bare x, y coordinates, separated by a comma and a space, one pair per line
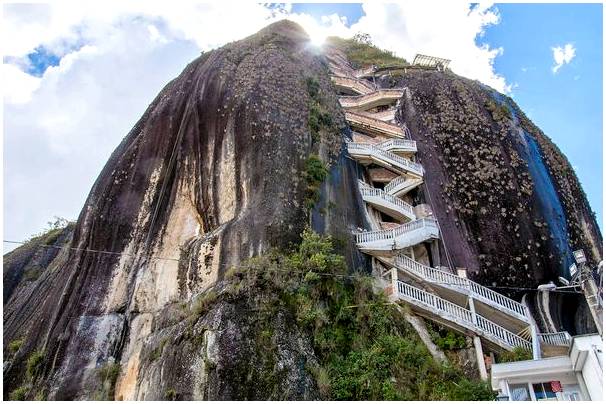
518, 354
52, 231
170, 395
108, 374
365, 348
157, 352
33, 369
499, 111
33, 272
15, 345
447, 339
34, 364
361, 52
40, 396
319, 119
315, 174
204, 302
18, 394
313, 87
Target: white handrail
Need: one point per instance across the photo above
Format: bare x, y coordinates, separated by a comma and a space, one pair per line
365, 71
457, 282
361, 86
561, 338
388, 156
350, 101
388, 234
396, 183
462, 316
398, 144
386, 115
366, 190
367, 122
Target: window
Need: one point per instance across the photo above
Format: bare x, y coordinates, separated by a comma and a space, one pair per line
571, 392
519, 392
545, 391
572, 396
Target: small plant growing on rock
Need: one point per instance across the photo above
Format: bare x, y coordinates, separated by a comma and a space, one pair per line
315, 174
170, 395
18, 394
15, 345
34, 364
518, 354
107, 375
204, 303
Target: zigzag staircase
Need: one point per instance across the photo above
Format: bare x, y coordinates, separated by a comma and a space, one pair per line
456, 302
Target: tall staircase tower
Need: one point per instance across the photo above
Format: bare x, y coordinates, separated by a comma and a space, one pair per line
405, 235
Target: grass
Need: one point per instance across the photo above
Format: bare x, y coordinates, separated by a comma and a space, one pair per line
362, 53
14, 346
34, 364
204, 303
18, 394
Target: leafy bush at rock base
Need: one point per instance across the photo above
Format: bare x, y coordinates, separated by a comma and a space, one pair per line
365, 348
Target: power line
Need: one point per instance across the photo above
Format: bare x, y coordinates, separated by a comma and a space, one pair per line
269, 270
87, 250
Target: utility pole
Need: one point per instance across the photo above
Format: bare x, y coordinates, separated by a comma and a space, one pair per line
590, 289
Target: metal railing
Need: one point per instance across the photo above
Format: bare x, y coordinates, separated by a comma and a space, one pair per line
370, 124
402, 206
398, 144
386, 156
365, 71
456, 282
561, 338
353, 101
463, 317
399, 183
358, 85
389, 234
386, 115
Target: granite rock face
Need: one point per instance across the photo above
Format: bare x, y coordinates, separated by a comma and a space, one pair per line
212, 174
511, 209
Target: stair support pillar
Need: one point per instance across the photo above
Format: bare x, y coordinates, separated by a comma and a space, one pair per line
394, 284
536, 344
477, 343
435, 253
472, 308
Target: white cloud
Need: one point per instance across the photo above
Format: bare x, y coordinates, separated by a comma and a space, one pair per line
445, 29
60, 128
562, 55
18, 86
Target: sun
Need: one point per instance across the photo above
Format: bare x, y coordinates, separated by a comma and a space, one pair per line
317, 38
317, 34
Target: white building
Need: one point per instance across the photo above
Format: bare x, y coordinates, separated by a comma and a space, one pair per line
576, 376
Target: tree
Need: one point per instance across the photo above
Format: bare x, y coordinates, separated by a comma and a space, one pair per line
363, 38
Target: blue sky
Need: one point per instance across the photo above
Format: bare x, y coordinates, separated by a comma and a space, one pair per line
566, 105
353, 11
79, 75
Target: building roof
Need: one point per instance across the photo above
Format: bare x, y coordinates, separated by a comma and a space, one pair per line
430, 61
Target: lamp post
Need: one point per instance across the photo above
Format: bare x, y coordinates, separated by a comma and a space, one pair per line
590, 289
